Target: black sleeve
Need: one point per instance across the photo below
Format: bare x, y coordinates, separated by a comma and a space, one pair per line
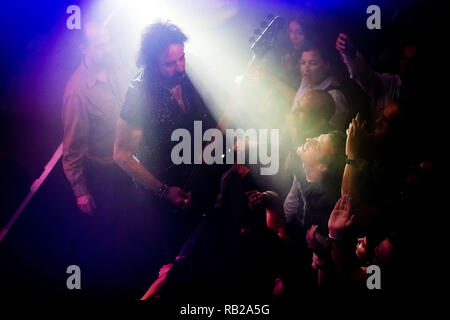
134, 105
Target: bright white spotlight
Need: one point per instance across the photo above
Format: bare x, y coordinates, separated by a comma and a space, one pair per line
144, 12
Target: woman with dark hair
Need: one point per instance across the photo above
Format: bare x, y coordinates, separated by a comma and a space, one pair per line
291, 54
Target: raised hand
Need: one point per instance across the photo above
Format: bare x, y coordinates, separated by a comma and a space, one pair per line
345, 45
355, 134
341, 218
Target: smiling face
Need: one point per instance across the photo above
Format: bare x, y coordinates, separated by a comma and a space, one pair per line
312, 152
171, 64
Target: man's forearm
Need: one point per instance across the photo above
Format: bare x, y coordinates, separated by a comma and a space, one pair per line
73, 161
287, 92
126, 142
138, 172
75, 142
78, 185
338, 257
362, 73
350, 181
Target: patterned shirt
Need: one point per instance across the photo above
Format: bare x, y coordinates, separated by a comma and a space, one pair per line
153, 108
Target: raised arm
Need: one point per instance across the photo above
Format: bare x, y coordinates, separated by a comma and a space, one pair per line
352, 172
286, 90
357, 67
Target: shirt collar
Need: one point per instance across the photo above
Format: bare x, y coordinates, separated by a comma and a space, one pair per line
325, 83
90, 76
321, 86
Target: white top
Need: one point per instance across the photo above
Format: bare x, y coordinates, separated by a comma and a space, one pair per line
341, 111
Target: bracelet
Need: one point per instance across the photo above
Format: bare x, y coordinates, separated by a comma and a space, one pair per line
352, 162
162, 191
331, 237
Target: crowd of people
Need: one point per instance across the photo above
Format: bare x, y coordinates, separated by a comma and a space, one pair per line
348, 180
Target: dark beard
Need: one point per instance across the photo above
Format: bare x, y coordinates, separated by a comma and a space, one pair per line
175, 80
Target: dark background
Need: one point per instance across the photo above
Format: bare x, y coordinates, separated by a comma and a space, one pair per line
37, 56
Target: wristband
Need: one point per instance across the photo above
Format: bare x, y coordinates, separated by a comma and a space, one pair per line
352, 162
331, 237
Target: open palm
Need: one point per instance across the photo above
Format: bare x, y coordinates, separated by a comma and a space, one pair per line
341, 217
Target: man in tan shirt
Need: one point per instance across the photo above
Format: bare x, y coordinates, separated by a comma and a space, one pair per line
91, 106
106, 237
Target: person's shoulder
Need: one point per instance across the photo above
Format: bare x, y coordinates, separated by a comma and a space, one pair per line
300, 179
76, 83
135, 106
135, 88
335, 89
337, 94
137, 81
331, 83
299, 93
